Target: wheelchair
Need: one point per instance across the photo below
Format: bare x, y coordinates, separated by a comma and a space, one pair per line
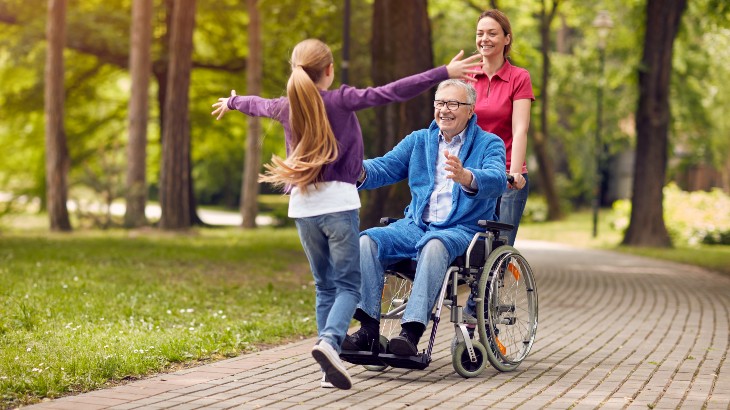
503, 287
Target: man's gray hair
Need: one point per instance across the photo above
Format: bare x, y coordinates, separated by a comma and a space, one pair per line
471, 93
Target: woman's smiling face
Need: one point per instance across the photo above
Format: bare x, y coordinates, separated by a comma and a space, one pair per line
490, 37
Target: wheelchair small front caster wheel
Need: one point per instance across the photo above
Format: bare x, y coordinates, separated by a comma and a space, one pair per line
463, 364
383, 349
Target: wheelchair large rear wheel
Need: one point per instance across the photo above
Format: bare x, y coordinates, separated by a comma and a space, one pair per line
507, 308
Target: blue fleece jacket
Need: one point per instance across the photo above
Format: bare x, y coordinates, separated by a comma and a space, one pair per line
415, 158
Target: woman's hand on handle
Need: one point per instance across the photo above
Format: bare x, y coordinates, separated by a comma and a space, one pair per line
464, 69
518, 181
221, 107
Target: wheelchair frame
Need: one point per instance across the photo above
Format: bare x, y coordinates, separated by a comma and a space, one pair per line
487, 267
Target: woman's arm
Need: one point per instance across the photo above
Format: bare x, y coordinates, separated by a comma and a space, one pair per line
520, 124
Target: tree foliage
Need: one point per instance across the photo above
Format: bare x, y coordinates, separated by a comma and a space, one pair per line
98, 84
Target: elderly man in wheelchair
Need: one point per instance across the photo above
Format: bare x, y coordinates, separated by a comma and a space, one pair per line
456, 173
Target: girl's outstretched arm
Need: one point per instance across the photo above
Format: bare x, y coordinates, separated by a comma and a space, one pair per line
221, 107
464, 69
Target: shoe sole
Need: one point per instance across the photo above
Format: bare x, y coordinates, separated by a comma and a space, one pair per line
336, 373
402, 348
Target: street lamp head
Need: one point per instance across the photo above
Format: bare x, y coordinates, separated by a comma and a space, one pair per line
603, 24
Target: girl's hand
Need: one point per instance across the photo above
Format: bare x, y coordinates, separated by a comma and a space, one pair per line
221, 107
464, 69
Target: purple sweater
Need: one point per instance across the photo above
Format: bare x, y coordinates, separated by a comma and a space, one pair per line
341, 105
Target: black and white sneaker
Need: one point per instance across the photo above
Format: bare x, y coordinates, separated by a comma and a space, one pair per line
325, 383
334, 369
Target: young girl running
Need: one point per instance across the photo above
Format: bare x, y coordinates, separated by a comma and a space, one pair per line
324, 160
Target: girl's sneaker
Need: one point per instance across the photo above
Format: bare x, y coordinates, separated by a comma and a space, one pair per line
329, 361
325, 383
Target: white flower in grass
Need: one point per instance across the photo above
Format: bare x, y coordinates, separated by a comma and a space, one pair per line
169, 312
27, 350
192, 329
224, 316
76, 278
65, 286
188, 310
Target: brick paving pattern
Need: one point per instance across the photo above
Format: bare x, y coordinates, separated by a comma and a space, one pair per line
615, 332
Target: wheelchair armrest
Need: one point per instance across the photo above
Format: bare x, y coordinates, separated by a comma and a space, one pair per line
494, 225
387, 221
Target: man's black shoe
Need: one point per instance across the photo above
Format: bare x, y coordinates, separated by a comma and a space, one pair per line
404, 345
359, 341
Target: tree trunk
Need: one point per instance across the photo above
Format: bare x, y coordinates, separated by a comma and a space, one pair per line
140, 66
401, 46
250, 186
541, 138
646, 226
57, 160
175, 183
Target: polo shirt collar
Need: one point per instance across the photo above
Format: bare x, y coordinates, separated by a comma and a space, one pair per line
504, 73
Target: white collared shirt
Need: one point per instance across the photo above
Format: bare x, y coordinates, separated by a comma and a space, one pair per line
439, 204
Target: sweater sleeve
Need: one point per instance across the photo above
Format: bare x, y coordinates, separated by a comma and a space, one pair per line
490, 176
258, 107
391, 167
355, 99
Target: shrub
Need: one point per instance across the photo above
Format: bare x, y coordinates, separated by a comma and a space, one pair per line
691, 217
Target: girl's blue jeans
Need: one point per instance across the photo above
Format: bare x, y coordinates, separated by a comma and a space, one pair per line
330, 242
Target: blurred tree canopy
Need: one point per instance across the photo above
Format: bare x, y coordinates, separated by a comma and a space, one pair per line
98, 84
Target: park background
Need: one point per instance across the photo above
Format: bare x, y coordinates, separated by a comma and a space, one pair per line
108, 102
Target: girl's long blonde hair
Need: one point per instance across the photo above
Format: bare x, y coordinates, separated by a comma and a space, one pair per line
313, 143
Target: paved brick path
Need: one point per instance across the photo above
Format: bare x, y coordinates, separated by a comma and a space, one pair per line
615, 331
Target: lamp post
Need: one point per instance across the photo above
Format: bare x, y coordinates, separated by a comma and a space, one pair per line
603, 25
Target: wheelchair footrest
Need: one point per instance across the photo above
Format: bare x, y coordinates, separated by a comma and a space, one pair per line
362, 357
420, 362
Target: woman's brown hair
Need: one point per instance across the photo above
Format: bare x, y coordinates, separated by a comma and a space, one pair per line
313, 143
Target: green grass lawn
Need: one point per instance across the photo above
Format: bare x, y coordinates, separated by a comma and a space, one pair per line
576, 229
85, 309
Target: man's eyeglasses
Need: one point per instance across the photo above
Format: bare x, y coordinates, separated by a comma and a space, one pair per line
451, 105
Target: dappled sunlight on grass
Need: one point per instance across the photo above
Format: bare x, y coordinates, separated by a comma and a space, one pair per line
89, 307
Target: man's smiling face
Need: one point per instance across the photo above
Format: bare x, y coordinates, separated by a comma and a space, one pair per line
452, 122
